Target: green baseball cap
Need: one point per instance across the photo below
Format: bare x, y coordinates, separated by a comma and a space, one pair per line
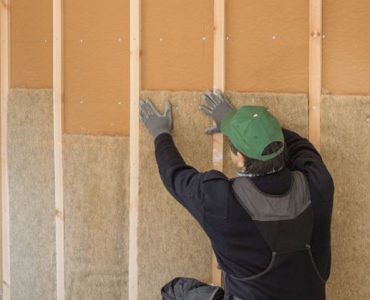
251, 129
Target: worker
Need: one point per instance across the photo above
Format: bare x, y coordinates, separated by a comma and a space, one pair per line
270, 226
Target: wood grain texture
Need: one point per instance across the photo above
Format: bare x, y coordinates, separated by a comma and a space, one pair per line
346, 47
177, 44
267, 46
315, 71
32, 44
345, 132
96, 67
135, 86
57, 140
218, 83
4, 86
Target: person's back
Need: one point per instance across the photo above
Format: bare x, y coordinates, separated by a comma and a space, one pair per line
263, 243
270, 226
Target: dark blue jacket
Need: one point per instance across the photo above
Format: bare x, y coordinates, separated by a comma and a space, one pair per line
239, 247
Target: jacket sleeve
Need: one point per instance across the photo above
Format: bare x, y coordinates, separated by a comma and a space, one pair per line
303, 156
184, 182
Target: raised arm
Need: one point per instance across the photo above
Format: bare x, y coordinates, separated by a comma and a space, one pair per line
184, 182
302, 156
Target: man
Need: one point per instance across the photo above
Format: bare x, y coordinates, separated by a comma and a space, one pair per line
270, 226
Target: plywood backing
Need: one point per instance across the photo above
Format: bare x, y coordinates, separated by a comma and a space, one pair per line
346, 150
96, 172
31, 43
177, 44
96, 61
170, 242
267, 46
267, 50
346, 47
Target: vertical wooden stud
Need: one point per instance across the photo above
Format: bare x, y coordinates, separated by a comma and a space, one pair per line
5, 85
218, 83
315, 70
58, 158
135, 80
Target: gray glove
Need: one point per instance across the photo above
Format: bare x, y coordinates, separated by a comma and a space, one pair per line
153, 120
218, 107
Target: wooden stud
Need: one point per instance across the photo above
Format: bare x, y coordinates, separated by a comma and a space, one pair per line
135, 82
58, 158
218, 83
315, 71
5, 85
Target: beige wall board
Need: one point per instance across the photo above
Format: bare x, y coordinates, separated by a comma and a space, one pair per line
31, 190
290, 109
267, 46
31, 39
96, 181
345, 132
170, 242
346, 47
96, 118
177, 44
96, 66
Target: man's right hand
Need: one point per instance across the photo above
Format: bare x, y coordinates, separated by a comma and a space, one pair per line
218, 107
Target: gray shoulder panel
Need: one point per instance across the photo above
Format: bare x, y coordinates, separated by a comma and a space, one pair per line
264, 207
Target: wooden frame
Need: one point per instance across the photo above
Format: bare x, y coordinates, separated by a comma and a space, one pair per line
315, 70
135, 82
5, 85
58, 155
218, 83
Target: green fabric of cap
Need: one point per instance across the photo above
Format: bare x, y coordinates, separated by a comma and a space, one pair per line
251, 129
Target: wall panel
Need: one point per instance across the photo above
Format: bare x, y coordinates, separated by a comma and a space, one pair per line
346, 65
267, 46
96, 62
177, 44
31, 43
31, 195
96, 223
346, 150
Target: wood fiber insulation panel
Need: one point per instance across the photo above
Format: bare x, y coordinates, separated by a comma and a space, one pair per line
96, 181
96, 67
345, 133
31, 192
31, 43
170, 242
177, 44
346, 47
267, 45
290, 109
